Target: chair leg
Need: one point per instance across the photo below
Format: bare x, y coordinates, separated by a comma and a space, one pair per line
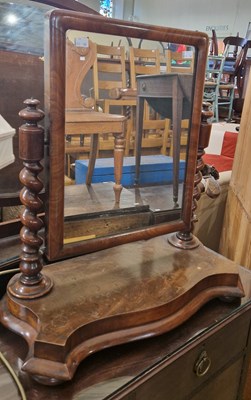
230, 110
129, 129
119, 149
216, 107
92, 158
165, 137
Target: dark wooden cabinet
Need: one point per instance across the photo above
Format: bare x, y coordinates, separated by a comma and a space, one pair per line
209, 367
158, 368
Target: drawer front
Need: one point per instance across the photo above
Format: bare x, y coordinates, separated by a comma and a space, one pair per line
156, 86
222, 387
191, 371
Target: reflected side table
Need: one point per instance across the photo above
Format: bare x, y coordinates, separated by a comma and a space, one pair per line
170, 96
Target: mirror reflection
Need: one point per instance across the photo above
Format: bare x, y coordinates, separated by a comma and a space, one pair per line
127, 120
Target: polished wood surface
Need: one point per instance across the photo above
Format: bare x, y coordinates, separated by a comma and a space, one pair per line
108, 301
116, 372
31, 151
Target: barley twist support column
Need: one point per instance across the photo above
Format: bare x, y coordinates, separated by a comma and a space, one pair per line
185, 239
31, 283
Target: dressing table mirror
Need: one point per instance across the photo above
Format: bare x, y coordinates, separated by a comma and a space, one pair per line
77, 210
140, 272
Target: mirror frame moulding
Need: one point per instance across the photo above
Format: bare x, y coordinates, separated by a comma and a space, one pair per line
57, 23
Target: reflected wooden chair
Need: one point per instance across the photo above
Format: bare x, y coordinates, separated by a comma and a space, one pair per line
143, 62
155, 129
109, 76
179, 62
243, 72
214, 48
233, 50
82, 119
216, 90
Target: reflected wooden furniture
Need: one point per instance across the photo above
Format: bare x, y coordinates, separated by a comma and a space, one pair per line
96, 123
213, 50
216, 338
170, 96
143, 62
243, 70
184, 63
155, 129
109, 76
80, 115
234, 46
184, 137
216, 90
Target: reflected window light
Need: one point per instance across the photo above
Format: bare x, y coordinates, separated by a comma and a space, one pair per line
106, 8
11, 19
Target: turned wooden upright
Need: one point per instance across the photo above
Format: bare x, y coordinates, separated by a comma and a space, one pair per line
31, 283
185, 239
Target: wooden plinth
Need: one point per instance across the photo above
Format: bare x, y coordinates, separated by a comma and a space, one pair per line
126, 293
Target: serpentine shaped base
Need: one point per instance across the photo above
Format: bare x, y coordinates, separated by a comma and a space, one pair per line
130, 292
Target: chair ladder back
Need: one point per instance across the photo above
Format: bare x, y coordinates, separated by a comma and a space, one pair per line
79, 60
183, 63
143, 62
110, 70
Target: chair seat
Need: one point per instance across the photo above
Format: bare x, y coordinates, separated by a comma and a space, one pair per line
80, 115
90, 122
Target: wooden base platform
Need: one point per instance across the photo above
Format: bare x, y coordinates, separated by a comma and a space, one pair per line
114, 296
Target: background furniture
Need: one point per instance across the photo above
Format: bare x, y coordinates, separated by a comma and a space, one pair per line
169, 95
234, 46
81, 118
216, 91
179, 62
110, 74
224, 160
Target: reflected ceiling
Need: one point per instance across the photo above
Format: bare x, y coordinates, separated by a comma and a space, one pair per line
22, 23
22, 26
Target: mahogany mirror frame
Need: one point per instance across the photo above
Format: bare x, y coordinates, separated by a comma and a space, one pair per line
58, 22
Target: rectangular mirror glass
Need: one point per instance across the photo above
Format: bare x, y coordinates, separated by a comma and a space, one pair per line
122, 133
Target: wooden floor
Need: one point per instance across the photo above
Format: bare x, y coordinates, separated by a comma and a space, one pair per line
99, 197
91, 211
139, 206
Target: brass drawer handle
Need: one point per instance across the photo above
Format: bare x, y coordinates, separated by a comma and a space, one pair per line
203, 364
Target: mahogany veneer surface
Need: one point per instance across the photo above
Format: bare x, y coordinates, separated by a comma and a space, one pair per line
114, 296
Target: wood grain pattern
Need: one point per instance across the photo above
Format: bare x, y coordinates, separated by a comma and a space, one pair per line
118, 295
117, 372
236, 232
